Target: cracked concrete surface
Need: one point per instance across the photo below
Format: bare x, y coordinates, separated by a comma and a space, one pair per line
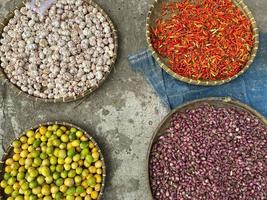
121, 115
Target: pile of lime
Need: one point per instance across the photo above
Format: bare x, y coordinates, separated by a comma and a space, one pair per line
53, 162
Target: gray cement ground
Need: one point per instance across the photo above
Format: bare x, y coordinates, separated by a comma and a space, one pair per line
121, 115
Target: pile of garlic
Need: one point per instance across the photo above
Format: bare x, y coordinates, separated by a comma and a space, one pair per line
59, 55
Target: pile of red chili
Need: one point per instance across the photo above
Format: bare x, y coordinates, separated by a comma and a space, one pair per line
203, 39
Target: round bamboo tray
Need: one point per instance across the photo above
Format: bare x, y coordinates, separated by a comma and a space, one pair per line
19, 92
153, 14
226, 102
9, 152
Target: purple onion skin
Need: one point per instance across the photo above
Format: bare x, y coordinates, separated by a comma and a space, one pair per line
210, 153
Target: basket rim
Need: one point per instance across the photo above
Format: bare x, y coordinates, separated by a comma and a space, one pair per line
9, 149
225, 100
244, 8
77, 97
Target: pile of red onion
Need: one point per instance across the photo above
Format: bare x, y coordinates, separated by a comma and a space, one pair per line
210, 153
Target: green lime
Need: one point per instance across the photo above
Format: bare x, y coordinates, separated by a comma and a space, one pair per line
15, 165
23, 139
77, 180
84, 145
33, 197
79, 190
72, 173
59, 132
7, 176
58, 196
45, 190
74, 165
8, 189
73, 130
31, 140
91, 181
71, 152
50, 128
52, 168
63, 146
3, 183
89, 159
54, 189
64, 174
67, 167
45, 162
13, 173
35, 153
29, 178
63, 128
33, 184
33, 172
71, 191
60, 161
49, 179
43, 155
48, 134
76, 158
27, 193
70, 198
36, 190
25, 186
11, 181
53, 160
59, 182
85, 152
30, 133
85, 173
69, 182
45, 171
79, 134
56, 175
62, 153
19, 197
68, 160
15, 194
36, 143
50, 150
37, 161
20, 176
79, 170
16, 144
55, 127
40, 180
56, 142
72, 136
64, 138
75, 143
59, 168
43, 138
28, 162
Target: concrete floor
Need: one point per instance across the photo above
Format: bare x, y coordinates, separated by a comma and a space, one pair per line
121, 115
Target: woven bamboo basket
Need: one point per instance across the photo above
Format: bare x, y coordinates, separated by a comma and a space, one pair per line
19, 92
9, 152
225, 102
154, 13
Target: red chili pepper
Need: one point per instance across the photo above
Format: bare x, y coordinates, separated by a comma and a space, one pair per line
203, 39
